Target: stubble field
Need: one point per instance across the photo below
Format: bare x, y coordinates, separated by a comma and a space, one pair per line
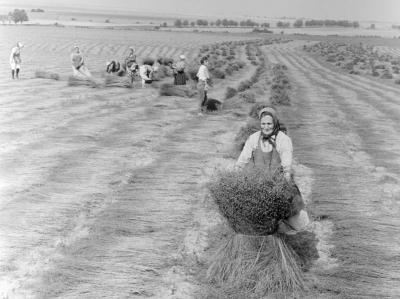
102, 191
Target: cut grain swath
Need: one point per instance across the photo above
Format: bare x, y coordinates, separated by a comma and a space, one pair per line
80, 81
47, 75
116, 81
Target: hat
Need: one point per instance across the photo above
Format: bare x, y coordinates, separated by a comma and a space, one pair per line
108, 63
20, 45
267, 109
182, 57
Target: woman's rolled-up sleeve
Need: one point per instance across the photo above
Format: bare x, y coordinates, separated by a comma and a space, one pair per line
247, 151
285, 149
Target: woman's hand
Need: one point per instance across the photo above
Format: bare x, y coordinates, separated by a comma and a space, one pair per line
287, 176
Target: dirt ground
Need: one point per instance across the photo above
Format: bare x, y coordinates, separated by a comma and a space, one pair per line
103, 191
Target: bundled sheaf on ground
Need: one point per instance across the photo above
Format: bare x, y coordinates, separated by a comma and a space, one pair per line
83, 81
168, 89
255, 261
116, 81
47, 75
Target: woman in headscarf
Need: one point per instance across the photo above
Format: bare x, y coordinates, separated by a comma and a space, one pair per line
271, 149
146, 72
130, 64
78, 66
179, 71
15, 60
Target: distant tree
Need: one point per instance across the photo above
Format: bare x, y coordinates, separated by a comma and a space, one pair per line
356, 25
107, 21
225, 22
372, 26
37, 10
178, 23
5, 18
298, 23
18, 15
212, 23
192, 24
185, 23
164, 24
202, 22
281, 24
265, 25
218, 22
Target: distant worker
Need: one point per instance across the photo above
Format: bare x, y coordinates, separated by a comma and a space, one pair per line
130, 65
78, 66
203, 86
114, 67
179, 71
146, 73
15, 60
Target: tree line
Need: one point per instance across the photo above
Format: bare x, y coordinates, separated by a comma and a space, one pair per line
219, 23
249, 23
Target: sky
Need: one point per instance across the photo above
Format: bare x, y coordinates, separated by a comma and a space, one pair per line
379, 10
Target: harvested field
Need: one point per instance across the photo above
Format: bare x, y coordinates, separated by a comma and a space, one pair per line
102, 191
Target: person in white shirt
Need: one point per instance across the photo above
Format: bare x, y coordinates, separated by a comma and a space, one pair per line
202, 85
272, 150
15, 60
79, 68
146, 73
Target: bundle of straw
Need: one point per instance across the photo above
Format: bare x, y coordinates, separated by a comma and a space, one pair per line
254, 266
117, 81
82, 81
168, 89
252, 200
255, 260
47, 75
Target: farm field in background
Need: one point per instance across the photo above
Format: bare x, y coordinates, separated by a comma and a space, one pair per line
102, 190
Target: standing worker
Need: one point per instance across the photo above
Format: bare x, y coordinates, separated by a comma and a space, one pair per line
179, 71
202, 86
130, 64
78, 66
15, 60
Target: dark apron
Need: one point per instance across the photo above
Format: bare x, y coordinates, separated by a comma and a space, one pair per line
271, 162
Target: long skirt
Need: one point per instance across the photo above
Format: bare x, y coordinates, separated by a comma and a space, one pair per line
180, 78
82, 72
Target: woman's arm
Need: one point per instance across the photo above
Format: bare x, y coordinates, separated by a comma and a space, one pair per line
285, 149
247, 151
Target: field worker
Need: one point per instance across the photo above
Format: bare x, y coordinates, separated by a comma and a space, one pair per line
179, 71
146, 73
15, 60
130, 65
271, 149
78, 66
202, 85
114, 67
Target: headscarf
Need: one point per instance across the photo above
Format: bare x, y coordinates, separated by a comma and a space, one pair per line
271, 112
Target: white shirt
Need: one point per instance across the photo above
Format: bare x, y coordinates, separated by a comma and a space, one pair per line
283, 146
203, 74
14, 56
143, 69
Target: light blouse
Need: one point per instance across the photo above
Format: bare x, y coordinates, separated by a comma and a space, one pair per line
283, 146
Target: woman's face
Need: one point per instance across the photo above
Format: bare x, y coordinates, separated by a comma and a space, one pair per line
267, 125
